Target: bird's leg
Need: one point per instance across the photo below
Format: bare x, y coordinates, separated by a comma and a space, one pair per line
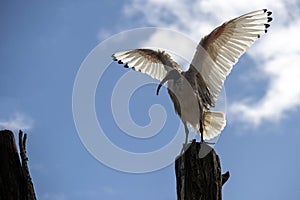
201, 131
202, 140
185, 145
186, 133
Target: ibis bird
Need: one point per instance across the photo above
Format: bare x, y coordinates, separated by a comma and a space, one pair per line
194, 92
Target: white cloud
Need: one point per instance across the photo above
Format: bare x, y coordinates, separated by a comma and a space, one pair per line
38, 168
103, 34
16, 122
164, 39
52, 196
109, 190
277, 55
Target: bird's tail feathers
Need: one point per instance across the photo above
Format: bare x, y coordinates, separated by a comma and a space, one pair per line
213, 124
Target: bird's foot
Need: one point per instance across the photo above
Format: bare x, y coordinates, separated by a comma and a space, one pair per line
185, 146
209, 143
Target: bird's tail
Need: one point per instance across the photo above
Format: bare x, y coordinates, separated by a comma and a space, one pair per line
213, 124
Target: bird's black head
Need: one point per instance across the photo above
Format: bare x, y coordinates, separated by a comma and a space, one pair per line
171, 75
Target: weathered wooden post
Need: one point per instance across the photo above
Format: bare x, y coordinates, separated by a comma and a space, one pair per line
15, 180
198, 173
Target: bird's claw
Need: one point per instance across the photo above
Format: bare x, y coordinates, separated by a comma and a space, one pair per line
185, 146
208, 143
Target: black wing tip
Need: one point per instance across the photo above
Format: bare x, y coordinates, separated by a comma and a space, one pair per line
268, 12
270, 19
114, 57
120, 62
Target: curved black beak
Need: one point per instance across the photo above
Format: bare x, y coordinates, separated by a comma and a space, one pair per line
158, 88
174, 74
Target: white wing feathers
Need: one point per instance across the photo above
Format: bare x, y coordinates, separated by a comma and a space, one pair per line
154, 63
224, 45
213, 124
214, 58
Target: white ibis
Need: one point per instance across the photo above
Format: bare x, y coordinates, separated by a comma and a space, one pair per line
195, 91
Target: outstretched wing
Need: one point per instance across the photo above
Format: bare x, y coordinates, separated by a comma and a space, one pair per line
223, 47
154, 63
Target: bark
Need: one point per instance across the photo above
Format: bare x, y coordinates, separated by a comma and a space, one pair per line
15, 180
198, 174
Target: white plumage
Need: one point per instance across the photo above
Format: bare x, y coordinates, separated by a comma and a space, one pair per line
195, 91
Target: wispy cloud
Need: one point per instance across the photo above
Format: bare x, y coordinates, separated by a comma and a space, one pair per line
15, 122
277, 55
279, 64
109, 190
52, 196
38, 168
103, 34
97, 192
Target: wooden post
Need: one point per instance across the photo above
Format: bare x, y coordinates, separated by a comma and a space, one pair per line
15, 180
198, 173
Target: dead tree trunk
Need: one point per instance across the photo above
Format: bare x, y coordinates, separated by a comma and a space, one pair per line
15, 181
198, 174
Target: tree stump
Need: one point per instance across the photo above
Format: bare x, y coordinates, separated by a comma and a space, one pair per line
198, 173
15, 180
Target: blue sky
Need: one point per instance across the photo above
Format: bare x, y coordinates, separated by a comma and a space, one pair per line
43, 45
